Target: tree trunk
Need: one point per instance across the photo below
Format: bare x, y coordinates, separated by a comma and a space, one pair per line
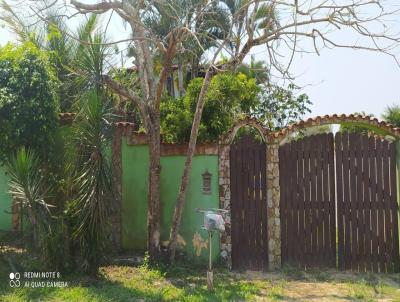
153, 201
180, 80
176, 220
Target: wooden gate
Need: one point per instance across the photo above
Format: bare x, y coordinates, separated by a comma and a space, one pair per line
307, 206
365, 185
248, 204
367, 203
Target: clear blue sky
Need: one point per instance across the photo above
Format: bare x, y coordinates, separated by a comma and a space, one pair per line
339, 80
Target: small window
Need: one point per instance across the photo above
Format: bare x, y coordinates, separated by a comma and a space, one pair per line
206, 183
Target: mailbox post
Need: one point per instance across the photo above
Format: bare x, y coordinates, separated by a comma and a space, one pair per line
213, 221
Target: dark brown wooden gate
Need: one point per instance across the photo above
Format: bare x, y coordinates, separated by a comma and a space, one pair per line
367, 203
307, 206
248, 204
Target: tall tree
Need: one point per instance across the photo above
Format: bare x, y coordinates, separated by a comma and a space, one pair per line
270, 23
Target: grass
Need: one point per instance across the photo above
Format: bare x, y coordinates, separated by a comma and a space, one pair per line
143, 283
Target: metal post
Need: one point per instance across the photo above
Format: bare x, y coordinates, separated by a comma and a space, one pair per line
210, 285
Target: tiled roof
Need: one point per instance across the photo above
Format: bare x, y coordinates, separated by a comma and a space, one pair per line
337, 119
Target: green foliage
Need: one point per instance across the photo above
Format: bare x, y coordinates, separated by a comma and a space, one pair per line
279, 107
359, 127
176, 120
256, 70
78, 63
392, 115
229, 96
29, 188
92, 206
28, 103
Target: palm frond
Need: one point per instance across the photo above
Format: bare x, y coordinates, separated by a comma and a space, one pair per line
93, 183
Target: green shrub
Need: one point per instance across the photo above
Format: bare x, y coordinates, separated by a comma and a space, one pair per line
28, 103
229, 96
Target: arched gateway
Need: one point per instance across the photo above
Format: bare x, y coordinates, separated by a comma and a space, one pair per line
325, 199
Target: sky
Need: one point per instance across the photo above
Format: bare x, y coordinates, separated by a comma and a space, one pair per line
338, 81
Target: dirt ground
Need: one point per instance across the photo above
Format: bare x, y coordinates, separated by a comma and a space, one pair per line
324, 286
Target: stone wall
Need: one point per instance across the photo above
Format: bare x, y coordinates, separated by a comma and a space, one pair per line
273, 199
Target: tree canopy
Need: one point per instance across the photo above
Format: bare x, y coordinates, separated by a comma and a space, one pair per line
229, 96
28, 100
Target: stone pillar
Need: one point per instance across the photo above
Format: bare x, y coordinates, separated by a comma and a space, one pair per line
273, 200
224, 201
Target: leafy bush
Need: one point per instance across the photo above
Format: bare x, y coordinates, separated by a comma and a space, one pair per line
28, 103
229, 96
279, 107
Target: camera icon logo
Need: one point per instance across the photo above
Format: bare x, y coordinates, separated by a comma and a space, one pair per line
14, 279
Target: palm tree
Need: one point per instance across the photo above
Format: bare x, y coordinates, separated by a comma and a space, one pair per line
93, 182
392, 115
78, 62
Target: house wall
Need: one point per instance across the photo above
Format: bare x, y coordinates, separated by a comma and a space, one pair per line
135, 165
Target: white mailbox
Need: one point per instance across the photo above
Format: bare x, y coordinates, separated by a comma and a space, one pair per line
213, 222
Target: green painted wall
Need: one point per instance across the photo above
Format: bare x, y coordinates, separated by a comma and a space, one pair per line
5, 203
135, 164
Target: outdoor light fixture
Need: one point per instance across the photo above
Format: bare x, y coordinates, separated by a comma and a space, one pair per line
213, 221
206, 182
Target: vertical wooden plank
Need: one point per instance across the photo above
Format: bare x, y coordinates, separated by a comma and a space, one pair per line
386, 200
374, 209
326, 249
250, 213
295, 189
293, 206
394, 209
289, 203
238, 207
257, 217
353, 201
367, 203
319, 141
233, 189
380, 205
360, 205
307, 207
233, 202
347, 201
243, 199
247, 203
264, 218
331, 202
301, 238
261, 152
340, 198
313, 200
